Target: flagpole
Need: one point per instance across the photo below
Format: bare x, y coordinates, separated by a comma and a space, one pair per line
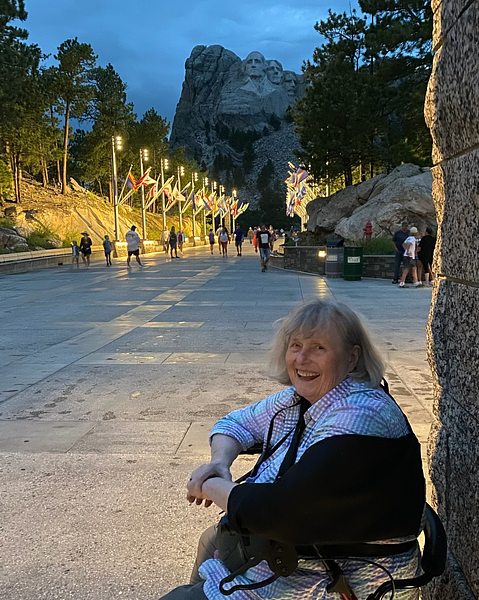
179, 201
163, 193
194, 204
143, 154
124, 184
115, 187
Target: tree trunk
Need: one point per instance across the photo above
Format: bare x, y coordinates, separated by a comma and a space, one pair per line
44, 173
65, 148
99, 185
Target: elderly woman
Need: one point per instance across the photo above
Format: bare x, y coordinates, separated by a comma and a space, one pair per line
340, 475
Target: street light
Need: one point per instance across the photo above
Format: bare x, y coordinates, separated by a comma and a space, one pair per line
194, 179
116, 145
143, 157
233, 216
181, 172
164, 162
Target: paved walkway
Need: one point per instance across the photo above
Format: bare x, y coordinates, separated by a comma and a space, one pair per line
109, 382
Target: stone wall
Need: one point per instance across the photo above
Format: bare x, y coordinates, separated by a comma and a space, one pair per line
452, 113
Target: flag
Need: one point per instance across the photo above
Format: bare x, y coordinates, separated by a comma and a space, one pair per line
148, 181
130, 181
177, 195
184, 191
168, 191
145, 177
301, 175
152, 191
192, 197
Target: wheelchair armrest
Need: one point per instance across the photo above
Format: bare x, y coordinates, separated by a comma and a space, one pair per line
256, 449
433, 561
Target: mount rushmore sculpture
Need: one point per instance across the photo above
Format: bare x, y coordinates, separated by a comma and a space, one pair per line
222, 91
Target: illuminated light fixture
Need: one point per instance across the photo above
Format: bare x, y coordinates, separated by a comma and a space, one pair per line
322, 253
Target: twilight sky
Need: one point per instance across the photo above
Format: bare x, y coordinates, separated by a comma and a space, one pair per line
148, 41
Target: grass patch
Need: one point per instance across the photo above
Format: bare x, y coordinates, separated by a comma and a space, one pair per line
382, 246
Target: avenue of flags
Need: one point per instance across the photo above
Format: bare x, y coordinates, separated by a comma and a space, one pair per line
299, 192
200, 200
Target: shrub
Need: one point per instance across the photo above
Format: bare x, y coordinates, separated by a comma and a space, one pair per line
7, 222
69, 237
380, 245
40, 237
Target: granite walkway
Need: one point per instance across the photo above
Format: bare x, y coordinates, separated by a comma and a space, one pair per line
109, 382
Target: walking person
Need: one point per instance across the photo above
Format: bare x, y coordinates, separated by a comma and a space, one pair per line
272, 237
107, 249
238, 233
262, 242
75, 253
165, 239
410, 261
181, 240
250, 235
218, 233
426, 254
133, 246
224, 239
399, 238
173, 242
211, 238
85, 248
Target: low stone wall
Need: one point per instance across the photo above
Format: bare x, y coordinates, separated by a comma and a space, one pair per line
378, 266
304, 258
307, 259
23, 262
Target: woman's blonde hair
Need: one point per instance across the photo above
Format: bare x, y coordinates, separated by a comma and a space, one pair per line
317, 316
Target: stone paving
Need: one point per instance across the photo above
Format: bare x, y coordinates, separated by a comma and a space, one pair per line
109, 382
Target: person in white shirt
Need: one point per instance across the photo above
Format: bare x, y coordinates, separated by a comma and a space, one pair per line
133, 245
410, 258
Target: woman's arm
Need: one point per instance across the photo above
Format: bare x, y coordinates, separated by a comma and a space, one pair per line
224, 450
218, 490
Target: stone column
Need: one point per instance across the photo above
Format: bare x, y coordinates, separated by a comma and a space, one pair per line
452, 113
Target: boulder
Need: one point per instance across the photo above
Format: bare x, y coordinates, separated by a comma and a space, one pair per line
324, 213
385, 200
10, 211
10, 240
406, 198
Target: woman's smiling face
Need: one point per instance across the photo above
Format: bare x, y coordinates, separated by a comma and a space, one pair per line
318, 364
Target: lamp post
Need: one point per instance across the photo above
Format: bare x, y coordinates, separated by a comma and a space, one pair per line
115, 145
214, 187
181, 172
222, 191
205, 185
164, 167
143, 157
194, 179
232, 216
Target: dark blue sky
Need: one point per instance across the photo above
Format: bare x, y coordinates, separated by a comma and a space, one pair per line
148, 41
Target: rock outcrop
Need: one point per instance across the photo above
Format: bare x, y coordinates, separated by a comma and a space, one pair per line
385, 200
223, 97
11, 241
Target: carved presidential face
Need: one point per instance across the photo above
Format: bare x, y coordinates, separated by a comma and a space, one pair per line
255, 65
289, 82
274, 71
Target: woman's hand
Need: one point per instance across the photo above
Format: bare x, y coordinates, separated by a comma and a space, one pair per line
215, 468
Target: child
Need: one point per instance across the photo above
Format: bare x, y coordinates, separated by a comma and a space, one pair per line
75, 254
211, 237
107, 248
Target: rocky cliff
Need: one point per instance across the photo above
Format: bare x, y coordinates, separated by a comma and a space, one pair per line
228, 106
385, 200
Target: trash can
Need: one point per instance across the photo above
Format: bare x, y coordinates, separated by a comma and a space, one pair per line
334, 257
353, 263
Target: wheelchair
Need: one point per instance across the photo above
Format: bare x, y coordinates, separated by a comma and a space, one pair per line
433, 559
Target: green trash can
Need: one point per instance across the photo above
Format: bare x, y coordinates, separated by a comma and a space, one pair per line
353, 263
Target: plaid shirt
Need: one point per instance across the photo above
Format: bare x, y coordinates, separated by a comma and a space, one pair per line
349, 408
